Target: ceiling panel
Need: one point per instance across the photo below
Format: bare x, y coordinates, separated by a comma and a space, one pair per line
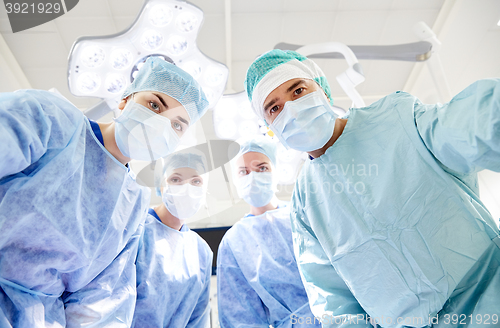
252, 37
258, 6
314, 27
34, 50
420, 4
212, 37
91, 9
73, 28
365, 5
358, 27
398, 27
120, 8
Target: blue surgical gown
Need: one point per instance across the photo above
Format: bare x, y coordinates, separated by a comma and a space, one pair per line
388, 222
173, 277
71, 217
258, 280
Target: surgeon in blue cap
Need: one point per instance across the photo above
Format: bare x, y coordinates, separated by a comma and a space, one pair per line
71, 212
174, 264
388, 225
258, 280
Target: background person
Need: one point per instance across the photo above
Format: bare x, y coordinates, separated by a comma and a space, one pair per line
71, 212
174, 264
257, 276
413, 240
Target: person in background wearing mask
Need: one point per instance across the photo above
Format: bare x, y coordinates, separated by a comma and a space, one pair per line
71, 212
258, 279
174, 264
387, 222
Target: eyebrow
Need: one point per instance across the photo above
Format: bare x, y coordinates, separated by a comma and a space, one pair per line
161, 100
263, 163
183, 120
293, 86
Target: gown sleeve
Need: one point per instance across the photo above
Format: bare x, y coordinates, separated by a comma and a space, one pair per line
329, 297
239, 305
31, 122
464, 134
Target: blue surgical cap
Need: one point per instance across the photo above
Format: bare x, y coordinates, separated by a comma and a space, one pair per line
276, 67
191, 158
259, 144
159, 75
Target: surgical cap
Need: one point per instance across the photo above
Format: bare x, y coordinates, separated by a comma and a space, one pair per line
274, 68
159, 75
191, 158
259, 144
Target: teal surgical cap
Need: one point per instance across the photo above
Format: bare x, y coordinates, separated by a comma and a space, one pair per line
191, 158
259, 144
276, 67
159, 75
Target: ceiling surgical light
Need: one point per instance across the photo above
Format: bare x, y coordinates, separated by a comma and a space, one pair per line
104, 66
93, 56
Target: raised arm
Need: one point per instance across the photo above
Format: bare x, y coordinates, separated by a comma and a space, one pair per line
464, 134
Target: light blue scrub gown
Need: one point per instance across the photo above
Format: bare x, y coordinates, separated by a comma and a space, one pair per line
173, 277
258, 280
71, 217
389, 219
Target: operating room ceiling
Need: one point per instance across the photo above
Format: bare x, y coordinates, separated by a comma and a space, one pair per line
468, 30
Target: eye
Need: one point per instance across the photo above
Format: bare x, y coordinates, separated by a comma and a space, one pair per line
174, 180
196, 182
154, 106
263, 169
273, 110
242, 172
177, 126
298, 91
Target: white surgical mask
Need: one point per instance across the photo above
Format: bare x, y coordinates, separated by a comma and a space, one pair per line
256, 188
144, 135
305, 124
183, 201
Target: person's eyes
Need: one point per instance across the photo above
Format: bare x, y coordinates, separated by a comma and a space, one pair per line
273, 110
154, 106
174, 180
196, 182
242, 172
263, 169
298, 91
177, 126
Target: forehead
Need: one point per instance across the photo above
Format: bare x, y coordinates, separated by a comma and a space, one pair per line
252, 158
283, 89
184, 172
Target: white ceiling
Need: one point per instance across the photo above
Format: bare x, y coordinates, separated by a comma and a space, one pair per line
468, 30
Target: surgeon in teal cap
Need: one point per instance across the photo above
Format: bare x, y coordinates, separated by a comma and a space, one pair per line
387, 222
71, 212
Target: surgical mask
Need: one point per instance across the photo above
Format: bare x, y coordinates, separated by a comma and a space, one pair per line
305, 124
144, 135
183, 201
256, 188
